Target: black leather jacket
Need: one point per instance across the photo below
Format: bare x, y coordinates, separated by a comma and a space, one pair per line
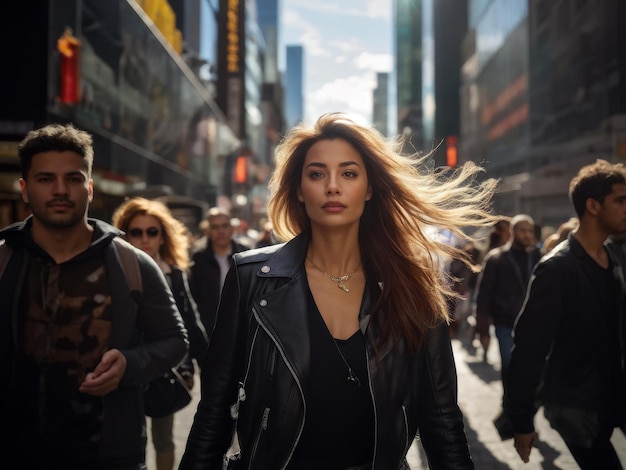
567, 320
261, 340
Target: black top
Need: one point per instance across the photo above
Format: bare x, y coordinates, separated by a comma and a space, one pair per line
339, 421
609, 345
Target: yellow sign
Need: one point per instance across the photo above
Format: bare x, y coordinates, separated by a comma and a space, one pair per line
232, 36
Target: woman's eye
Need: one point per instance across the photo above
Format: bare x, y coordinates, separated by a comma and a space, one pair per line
350, 174
316, 174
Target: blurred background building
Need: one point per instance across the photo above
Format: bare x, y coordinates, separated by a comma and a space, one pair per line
380, 113
166, 121
187, 102
530, 89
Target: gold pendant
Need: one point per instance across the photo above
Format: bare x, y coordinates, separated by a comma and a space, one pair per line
343, 287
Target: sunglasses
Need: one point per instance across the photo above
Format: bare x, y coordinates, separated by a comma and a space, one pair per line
152, 232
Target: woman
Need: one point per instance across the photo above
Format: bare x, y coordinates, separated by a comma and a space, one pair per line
150, 226
332, 351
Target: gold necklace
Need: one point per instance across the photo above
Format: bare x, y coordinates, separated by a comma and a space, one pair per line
340, 280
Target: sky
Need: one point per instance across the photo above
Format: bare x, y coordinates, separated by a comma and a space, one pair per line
346, 42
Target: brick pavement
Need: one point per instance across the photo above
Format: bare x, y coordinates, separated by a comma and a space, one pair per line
480, 395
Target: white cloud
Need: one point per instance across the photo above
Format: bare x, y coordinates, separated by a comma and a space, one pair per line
373, 8
379, 8
349, 46
375, 62
351, 95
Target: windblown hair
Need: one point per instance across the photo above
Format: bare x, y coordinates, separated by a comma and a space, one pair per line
395, 236
175, 247
55, 138
594, 181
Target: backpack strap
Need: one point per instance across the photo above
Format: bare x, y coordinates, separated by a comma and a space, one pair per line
129, 263
5, 255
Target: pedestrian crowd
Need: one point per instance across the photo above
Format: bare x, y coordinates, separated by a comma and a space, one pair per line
321, 341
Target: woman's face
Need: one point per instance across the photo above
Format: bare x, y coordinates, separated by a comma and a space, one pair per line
334, 184
145, 232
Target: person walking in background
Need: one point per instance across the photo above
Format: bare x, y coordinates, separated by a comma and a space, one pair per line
568, 338
78, 347
332, 350
150, 226
499, 235
464, 277
210, 265
501, 289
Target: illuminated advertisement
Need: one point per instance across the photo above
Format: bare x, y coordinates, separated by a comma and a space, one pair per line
230, 62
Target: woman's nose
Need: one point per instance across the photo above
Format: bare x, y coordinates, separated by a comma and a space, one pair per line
333, 186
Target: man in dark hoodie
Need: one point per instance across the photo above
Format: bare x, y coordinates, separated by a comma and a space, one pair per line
78, 347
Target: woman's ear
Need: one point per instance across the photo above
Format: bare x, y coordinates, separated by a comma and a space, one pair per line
299, 193
369, 193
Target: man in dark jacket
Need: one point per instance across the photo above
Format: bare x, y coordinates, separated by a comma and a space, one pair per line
210, 265
501, 290
569, 337
77, 347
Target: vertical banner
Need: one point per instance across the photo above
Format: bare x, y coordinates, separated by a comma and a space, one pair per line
69, 47
231, 53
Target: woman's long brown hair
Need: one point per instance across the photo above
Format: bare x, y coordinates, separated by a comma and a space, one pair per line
408, 203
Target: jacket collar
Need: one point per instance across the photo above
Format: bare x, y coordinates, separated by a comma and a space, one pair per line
288, 260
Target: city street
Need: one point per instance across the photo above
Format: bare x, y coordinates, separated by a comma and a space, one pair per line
480, 394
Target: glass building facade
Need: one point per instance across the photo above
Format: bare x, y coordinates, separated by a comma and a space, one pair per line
153, 122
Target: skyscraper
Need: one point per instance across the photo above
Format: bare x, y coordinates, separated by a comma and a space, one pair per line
408, 61
294, 86
268, 17
380, 112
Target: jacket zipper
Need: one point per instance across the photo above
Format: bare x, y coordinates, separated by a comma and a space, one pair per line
241, 393
266, 411
295, 377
